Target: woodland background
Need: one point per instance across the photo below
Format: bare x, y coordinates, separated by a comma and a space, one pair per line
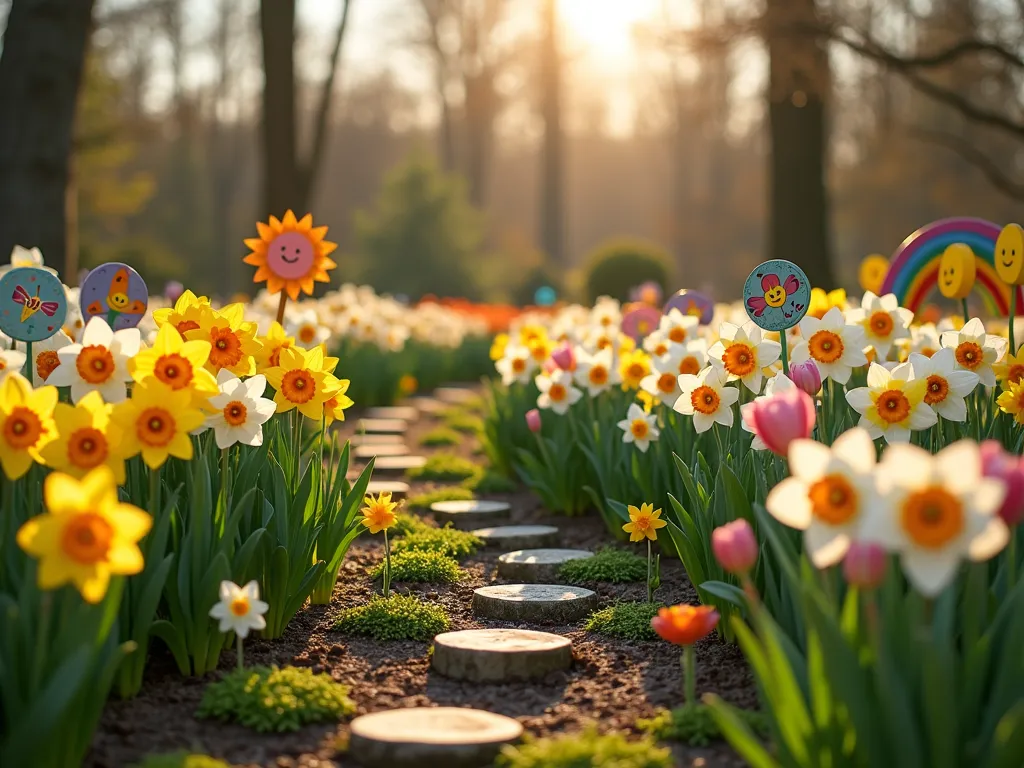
482, 147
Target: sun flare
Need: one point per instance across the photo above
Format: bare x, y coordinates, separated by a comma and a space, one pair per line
605, 26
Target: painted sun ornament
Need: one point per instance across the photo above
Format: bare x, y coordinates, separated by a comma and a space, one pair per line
290, 255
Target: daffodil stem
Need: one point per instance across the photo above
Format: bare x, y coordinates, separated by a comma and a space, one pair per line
387, 565
296, 447
154, 491
784, 352
689, 662
650, 586
225, 480
238, 649
1011, 561
1013, 314
39, 662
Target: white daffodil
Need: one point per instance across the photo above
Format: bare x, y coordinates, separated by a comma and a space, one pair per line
639, 428
557, 391
743, 353
924, 340
99, 363
828, 494
606, 313
46, 358
892, 404
594, 371
306, 328
516, 365
663, 381
26, 257
836, 346
976, 351
884, 321
780, 382
707, 399
936, 510
11, 361
241, 410
677, 327
240, 608
946, 386
691, 357
657, 344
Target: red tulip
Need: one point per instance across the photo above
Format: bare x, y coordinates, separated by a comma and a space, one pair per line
685, 624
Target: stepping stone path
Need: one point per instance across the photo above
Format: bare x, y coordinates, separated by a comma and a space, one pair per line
537, 566
403, 412
385, 449
518, 536
470, 514
397, 489
422, 737
397, 464
428, 405
500, 655
358, 440
542, 603
383, 426
455, 395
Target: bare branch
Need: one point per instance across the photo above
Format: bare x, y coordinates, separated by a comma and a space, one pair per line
989, 168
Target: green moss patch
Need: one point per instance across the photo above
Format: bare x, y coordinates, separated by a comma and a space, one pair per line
693, 724
408, 523
398, 617
616, 566
446, 467
490, 482
421, 566
448, 541
181, 760
631, 621
449, 493
585, 750
441, 436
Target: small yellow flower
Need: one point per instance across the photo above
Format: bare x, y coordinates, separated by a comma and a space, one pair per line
157, 422
177, 363
232, 340
498, 346
334, 407
26, 423
301, 382
269, 355
407, 385
1012, 401
379, 513
186, 315
1010, 370
633, 367
87, 536
86, 438
644, 523
822, 302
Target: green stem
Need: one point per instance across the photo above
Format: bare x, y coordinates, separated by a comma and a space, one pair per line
784, 351
650, 586
154, 491
238, 648
967, 314
387, 565
1011, 561
225, 484
689, 674
42, 645
1013, 314
296, 447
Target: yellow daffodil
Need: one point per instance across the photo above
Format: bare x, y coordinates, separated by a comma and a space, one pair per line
186, 315
301, 382
822, 302
407, 385
232, 340
86, 536
633, 368
379, 513
156, 421
177, 363
334, 407
1012, 401
498, 346
26, 423
1010, 370
643, 523
86, 438
269, 354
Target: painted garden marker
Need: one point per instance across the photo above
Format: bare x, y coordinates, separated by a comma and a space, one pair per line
958, 269
872, 272
551, 603
33, 304
500, 655
537, 566
776, 296
640, 320
1009, 257
693, 303
115, 292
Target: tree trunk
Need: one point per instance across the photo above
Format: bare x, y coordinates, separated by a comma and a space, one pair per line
40, 73
280, 160
798, 95
551, 213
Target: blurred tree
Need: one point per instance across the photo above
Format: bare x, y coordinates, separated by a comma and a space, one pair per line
552, 211
422, 235
40, 72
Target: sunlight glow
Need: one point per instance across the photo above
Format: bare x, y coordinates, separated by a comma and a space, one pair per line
605, 27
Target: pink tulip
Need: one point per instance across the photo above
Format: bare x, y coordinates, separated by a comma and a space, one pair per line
995, 462
735, 546
781, 418
806, 376
533, 420
550, 366
565, 357
864, 565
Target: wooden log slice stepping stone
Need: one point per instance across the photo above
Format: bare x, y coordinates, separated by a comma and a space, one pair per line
403, 412
358, 440
383, 426
428, 405
518, 536
386, 449
537, 566
500, 655
547, 603
470, 514
392, 465
455, 395
431, 737
398, 490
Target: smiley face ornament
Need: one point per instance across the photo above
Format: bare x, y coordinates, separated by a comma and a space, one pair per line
290, 255
33, 304
115, 292
776, 295
958, 270
1009, 255
872, 271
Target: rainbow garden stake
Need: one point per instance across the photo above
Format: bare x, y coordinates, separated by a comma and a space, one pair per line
1009, 260
776, 296
115, 292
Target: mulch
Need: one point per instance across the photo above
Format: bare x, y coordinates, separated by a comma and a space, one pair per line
612, 682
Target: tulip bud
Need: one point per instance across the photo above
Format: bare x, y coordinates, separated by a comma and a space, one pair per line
735, 546
533, 420
806, 376
565, 357
173, 291
997, 463
864, 565
781, 418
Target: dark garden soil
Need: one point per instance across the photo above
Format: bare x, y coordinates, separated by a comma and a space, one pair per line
613, 682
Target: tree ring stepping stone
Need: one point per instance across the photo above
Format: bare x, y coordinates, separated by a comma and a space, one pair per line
386, 449
398, 490
383, 426
500, 655
431, 737
471, 513
398, 464
385, 439
519, 536
455, 395
549, 603
428, 405
403, 412
537, 566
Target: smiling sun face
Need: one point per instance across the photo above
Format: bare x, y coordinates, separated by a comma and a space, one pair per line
775, 297
290, 254
957, 271
1010, 254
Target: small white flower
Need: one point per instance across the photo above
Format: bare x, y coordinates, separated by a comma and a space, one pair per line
780, 382
884, 321
639, 428
743, 354
594, 371
677, 327
606, 313
707, 399
516, 365
924, 340
305, 326
241, 410
557, 391
663, 381
26, 257
936, 510
11, 361
946, 386
240, 608
46, 358
828, 495
976, 351
892, 404
837, 347
99, 363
